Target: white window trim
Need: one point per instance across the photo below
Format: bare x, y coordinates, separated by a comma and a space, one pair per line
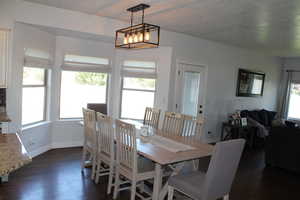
136, 72
83, 67
46, 94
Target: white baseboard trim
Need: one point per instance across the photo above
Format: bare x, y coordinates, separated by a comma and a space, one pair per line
59, 145
39, 151
46, 148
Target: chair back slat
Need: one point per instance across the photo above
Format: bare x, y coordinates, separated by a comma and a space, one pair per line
173, 123
222, 168
89, 120
105, 134
192, 126
126, 144
151, 117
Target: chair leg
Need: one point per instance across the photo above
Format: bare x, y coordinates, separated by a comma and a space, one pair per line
133, 189
117, 184
110, 178
170, 193
94, 163
226, 197
142, 187
83, 159
98, 169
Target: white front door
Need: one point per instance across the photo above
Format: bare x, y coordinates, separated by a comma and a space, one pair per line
190, 89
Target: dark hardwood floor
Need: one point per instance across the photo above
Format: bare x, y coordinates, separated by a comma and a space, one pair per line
56, 175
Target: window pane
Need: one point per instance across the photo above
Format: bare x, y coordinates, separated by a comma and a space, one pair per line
134, 103
33, 76
80, 88
142, 64
86, 59
139, 83
294, 105
33, 104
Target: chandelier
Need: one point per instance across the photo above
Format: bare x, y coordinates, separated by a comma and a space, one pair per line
138, 36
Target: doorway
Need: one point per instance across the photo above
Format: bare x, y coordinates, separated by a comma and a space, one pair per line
190, 89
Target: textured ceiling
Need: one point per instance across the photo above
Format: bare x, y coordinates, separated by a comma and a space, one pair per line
271, 25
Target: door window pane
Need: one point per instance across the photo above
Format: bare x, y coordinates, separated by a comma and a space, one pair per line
80, 88
294, 104
33, 104
190, 93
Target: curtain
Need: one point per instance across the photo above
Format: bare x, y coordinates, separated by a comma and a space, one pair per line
285, 94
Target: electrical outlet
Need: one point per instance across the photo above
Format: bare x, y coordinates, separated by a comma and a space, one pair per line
209, 134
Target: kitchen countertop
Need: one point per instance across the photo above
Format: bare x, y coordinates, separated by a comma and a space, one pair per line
13, 154
4, 117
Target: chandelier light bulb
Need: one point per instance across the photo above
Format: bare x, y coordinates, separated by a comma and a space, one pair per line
141, 37
135, 37
130, 39
147, 35
125, 41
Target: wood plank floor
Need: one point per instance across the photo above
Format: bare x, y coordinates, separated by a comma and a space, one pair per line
56, 175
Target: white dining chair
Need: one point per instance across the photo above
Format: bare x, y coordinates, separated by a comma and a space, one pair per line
106, 151
192, 126
216, 183
151, 117
90, 139
129, 164
173, 123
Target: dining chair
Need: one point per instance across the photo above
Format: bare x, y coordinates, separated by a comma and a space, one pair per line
216, 183
129, 164
151, 117
90, 139
106, 151
192, 126
173, 123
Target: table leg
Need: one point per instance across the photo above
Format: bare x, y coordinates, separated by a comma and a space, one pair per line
4, 179
157, 182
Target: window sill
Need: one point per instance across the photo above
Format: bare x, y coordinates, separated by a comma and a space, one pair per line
31, 126
70, 120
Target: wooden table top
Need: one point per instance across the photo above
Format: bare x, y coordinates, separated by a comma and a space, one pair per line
163, 156
13, 155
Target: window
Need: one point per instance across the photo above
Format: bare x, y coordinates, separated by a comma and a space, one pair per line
294, 101
34, 95
83, 80
138, 89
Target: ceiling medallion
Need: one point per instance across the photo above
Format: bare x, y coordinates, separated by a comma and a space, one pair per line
138, 36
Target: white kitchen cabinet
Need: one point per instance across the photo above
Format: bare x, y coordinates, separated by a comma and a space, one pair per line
3, 76
4, 56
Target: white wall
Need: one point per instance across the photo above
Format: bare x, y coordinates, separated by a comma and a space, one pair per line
70, 133
222, 61
27, 37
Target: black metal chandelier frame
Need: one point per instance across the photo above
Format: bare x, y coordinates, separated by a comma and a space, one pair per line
140, 35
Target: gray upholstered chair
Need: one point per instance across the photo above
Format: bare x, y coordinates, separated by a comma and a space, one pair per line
216, 183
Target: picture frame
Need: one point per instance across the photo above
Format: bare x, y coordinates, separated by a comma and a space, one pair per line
244, 121
250, 83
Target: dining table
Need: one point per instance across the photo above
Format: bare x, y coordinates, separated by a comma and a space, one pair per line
167, 150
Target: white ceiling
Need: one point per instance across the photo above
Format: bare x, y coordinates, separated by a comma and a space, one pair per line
271, 25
